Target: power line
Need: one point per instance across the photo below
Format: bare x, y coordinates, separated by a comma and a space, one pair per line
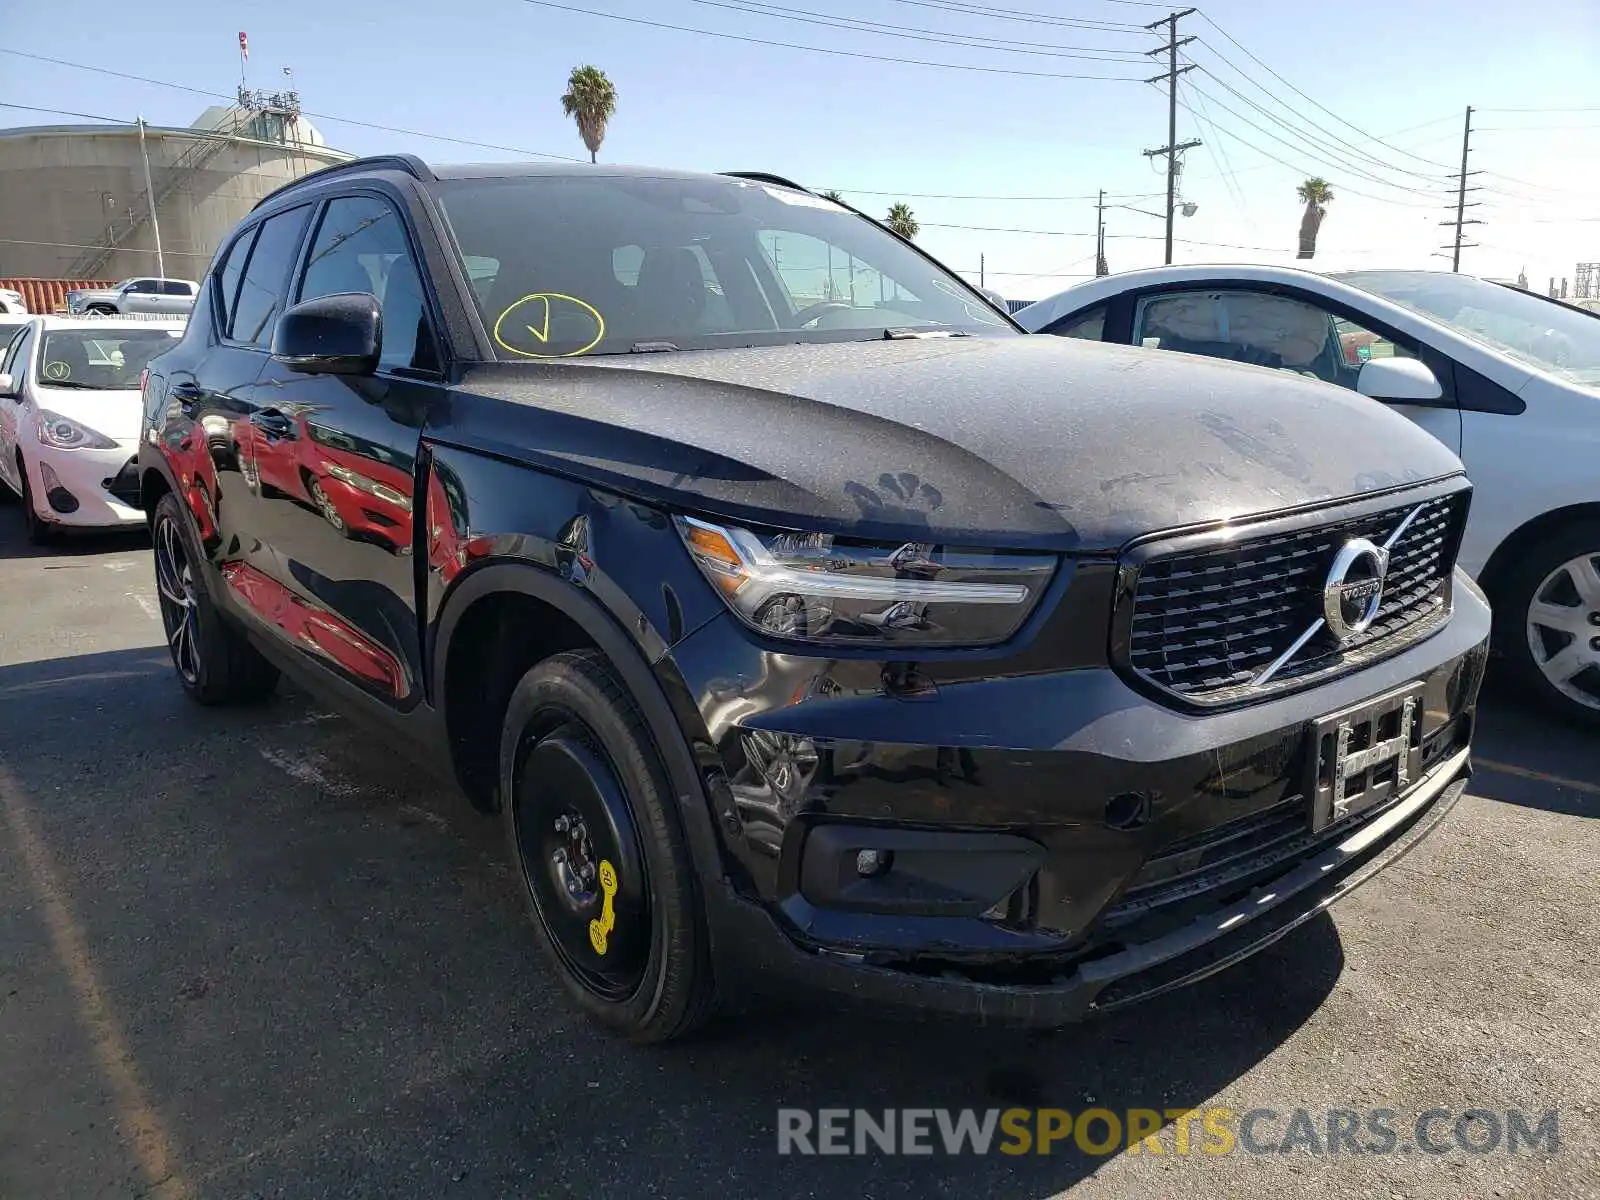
739, 37
1328, 158
1218, 154
1578, 108
912, 32
1005, 14
1303, 170
1431, 176
1253, 58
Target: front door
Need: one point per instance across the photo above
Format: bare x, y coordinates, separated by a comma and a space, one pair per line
333, 460
1297, 334
13, 363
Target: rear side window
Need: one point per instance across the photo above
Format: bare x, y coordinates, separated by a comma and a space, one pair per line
1090, 326
174, 287
228, 276
261, 290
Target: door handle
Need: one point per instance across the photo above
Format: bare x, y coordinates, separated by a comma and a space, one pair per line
187, 395
272, 423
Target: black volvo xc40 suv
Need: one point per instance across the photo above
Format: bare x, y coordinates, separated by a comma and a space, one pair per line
806, 623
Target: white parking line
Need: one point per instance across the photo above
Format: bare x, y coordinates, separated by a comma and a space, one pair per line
149, 605
307, 772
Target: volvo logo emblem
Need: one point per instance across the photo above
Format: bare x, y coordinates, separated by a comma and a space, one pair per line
1353, 592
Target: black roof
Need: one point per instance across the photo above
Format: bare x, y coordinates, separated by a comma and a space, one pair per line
410, 164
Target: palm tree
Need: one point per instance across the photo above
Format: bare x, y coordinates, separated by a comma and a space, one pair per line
591, 100
1317, 194
902, 221
832, 194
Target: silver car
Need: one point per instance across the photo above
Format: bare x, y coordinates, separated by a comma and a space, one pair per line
1507, 379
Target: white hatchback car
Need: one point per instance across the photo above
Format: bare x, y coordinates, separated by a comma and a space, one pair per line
69, 418
1507, 379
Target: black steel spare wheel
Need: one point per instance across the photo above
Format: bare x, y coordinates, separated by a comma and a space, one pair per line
581, 862
594, 828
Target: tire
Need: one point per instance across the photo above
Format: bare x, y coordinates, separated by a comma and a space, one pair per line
1549, 573
330, 514
214, 662
104, 310
40, 531
575, 748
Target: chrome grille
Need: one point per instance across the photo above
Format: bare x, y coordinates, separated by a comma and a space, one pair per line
1207, 621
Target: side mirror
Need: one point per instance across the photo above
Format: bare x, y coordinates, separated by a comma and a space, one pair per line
8, 388
1398, 381
341, 334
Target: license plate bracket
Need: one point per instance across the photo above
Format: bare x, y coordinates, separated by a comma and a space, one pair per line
1364, 756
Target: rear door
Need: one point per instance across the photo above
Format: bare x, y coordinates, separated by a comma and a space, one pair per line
335, 457
1293, 331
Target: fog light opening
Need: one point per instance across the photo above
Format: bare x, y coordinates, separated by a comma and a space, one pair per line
872, 863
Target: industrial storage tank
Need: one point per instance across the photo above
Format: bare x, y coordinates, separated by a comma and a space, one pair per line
73, 200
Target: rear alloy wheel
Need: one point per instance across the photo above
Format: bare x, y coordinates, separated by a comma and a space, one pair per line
215, 662
594, 833
1555, 649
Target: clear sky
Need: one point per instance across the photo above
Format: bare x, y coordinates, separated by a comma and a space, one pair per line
492, 71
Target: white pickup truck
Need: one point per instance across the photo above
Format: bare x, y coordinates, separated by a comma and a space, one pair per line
165, 297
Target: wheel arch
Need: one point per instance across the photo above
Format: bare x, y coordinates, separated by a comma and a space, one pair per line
577, 615
1516, 543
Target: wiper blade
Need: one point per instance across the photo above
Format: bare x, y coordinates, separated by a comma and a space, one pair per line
916, 334
72, 383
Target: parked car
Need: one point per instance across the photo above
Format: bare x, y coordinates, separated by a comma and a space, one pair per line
11, 302
69, 420
1508, 379
857, 644
165, 297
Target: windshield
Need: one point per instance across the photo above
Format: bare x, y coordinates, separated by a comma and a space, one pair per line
606, 264
1547, 335
100, 359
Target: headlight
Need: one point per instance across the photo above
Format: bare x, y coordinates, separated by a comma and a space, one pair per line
813, 587
66, 434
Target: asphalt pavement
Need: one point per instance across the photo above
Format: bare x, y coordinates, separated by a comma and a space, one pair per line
252, 953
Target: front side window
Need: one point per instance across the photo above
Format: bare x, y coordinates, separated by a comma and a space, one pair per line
261, 290
1263, 329
361, 246
605, 264
100, 359
1545, 334
143, 287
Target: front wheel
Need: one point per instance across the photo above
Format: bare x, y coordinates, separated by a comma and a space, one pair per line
40, 531
216, 664
594, 833
1549, 622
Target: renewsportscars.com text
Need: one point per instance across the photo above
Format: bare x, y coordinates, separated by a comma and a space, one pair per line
1183, 1131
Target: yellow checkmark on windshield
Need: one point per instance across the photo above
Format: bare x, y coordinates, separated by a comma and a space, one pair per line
523, 328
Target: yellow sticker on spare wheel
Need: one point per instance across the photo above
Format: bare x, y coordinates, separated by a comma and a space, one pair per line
600, 929
524, 328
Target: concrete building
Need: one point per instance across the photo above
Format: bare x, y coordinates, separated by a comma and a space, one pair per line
73, 203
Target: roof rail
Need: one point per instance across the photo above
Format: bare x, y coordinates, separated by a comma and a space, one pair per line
409, 163
768, 177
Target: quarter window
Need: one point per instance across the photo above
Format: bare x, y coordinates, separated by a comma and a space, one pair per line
1263, 329
361, 246
261, 291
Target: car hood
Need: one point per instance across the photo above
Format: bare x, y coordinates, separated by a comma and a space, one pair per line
1006, 442
114, 413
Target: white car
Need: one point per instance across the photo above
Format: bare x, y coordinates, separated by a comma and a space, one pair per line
69, 418
1507, 379
11, 301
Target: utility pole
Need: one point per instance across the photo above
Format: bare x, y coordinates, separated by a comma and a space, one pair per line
982, 282
1462, 220
150, 194
1173, 148
1100, 267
